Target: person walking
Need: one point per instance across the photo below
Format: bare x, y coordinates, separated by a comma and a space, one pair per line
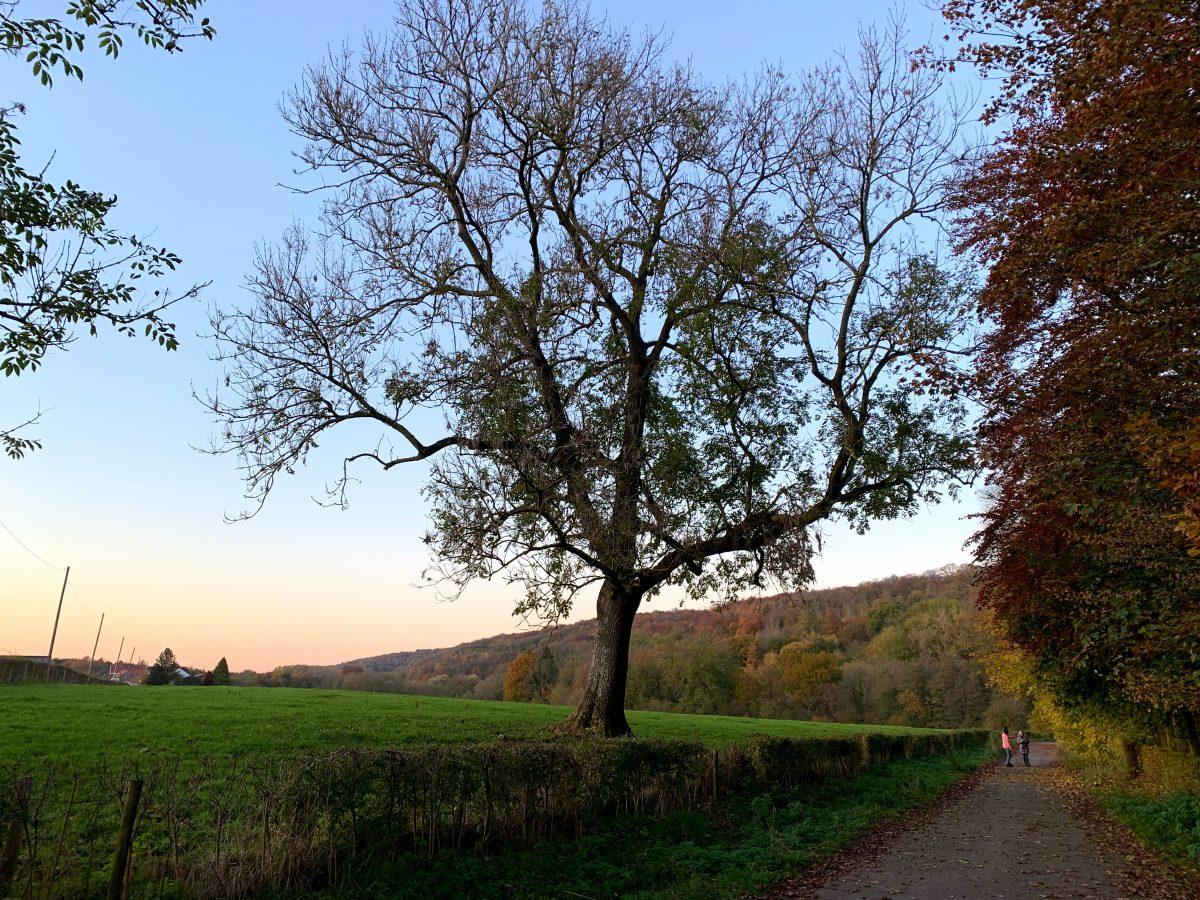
1023, 744
1006, 744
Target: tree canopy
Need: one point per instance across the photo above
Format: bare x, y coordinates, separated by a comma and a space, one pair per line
62, 266
643, 329
1086, 215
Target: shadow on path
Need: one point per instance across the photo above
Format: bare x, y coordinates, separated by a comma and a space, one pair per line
1020, 832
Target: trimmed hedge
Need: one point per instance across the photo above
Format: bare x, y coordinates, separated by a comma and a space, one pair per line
790, 761
236, 828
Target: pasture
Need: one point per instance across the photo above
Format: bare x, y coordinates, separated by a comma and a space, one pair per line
257, 791
81, 724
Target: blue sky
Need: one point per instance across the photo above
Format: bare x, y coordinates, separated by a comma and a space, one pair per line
195, 149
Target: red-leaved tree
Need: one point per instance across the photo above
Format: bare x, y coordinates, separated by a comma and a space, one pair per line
1085, 214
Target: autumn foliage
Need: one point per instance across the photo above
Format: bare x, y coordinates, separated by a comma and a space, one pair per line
899, 651
517, 676
1175, 457
1086, 216
530, 676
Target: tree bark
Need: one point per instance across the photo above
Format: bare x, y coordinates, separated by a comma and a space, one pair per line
602, 708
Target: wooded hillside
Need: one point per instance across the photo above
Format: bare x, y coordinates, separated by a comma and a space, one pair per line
898, 651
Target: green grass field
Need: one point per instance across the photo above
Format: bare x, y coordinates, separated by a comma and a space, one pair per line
245, 816
42, 723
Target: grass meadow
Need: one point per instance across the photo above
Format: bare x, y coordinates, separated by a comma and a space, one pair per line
277, 792
80, 723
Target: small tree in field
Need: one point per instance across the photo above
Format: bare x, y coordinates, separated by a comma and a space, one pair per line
163, 669
645, 330
220, 674
531, 676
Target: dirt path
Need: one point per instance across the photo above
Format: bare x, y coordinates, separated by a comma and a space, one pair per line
1018, 833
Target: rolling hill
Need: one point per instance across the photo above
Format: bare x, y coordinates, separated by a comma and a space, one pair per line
899, 651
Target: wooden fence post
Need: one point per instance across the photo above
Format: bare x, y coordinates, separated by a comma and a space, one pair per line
16, 828
716, 773
116, 881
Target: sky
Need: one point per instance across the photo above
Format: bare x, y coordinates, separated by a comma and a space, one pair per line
195, 149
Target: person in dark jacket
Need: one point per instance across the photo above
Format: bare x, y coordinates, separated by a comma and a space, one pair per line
1023, 744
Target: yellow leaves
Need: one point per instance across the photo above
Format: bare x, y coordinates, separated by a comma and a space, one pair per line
518, 676
913, 705
1006, 665
1010, 669
803, 671
1173, 456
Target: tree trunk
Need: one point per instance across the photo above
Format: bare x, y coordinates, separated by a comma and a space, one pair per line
602, 708
1191, 735
1133, 758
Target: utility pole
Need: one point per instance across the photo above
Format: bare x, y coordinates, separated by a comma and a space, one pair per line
113, 669
92, 658
54, 634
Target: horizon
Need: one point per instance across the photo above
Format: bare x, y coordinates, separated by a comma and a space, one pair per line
144, 661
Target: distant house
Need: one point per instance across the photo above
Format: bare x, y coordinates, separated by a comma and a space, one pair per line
183, 676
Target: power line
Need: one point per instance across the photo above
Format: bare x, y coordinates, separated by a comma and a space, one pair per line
74, 592
30, 552
79, 600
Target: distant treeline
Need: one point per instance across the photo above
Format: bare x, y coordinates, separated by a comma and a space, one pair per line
898, 651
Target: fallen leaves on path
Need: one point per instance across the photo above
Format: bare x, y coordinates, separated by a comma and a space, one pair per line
874, 844
1144, 876
1132, 870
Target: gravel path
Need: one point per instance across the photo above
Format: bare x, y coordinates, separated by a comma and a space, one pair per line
1016, 833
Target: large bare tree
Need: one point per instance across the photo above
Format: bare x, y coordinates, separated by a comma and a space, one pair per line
648, 331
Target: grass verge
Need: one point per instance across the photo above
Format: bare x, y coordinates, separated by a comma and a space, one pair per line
1170, 824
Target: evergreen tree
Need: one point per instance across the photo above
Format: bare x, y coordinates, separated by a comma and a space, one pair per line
220, 674
163, 669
